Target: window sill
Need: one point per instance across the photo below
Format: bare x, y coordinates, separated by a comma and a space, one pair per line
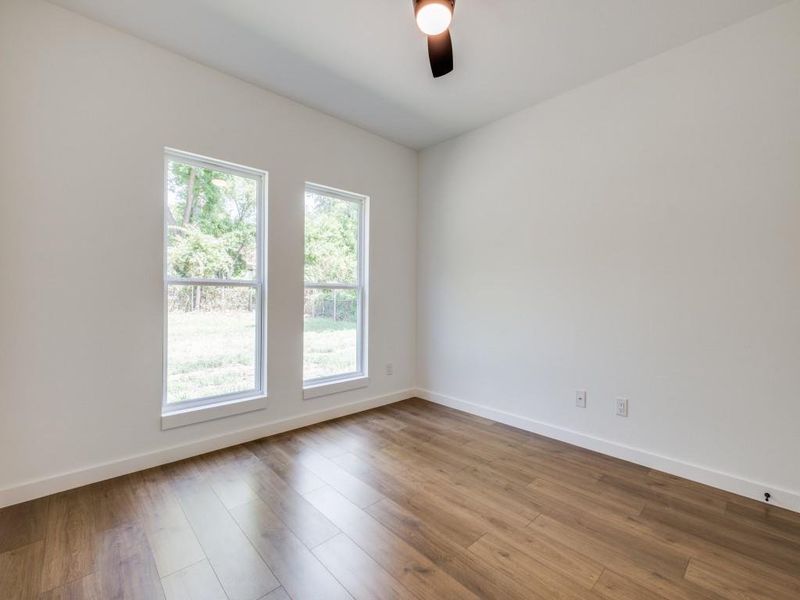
209, 412
334, 387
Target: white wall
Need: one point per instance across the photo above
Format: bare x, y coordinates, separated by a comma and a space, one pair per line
636, 237
85, 112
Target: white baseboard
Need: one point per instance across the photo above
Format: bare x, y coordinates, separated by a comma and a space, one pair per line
99, 472
725, 481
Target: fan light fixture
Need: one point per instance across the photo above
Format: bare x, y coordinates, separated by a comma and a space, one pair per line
434, 16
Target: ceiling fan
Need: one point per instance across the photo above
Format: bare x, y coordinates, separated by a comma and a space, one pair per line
433, 19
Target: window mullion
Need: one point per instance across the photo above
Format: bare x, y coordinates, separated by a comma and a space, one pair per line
333, 286
214, 282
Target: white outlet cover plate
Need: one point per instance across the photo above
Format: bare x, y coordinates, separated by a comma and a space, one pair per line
622, 407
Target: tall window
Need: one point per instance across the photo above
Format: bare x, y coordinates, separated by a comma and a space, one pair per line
214, 281
335, 286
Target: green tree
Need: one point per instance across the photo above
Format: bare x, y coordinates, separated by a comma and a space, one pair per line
331, 240
212, 223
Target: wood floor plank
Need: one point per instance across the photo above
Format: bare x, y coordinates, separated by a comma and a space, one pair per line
85, 588
361, 437
298, 570
660, 493
621, 535
317, 443
722, 517
275, 458
384, 419
575, 506
113, 502
777, 520
452, 488
553, 554
719, 556
358, 572
239, 568
476, 575
539, 467
171, 538
352, 488
616, 587
22, 524
503, 495
414, 570
518, 565
427, 453
680, 484
462, 526
646, 571
195, 582
232, 490
20, 571
778, 552
305, 521
735, 583
589, 495
125, 570
762, 511
125, 567
69, 549
333, 433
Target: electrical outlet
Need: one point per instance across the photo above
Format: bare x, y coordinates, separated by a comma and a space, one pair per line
389, 369
580, 399
622, 407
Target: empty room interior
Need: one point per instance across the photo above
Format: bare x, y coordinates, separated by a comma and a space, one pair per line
400, 299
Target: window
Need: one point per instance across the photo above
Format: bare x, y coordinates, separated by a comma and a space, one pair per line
335, 290
214, 282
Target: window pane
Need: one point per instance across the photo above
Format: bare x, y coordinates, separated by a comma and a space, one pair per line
331, 240
330, 333
211, 341
211, 228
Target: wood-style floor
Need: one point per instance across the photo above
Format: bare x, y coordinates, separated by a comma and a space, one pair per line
408, 501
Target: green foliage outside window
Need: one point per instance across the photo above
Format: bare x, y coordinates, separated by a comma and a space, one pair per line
331, 256
211, 232
331, 240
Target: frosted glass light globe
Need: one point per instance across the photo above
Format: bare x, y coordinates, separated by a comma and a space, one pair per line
434, 18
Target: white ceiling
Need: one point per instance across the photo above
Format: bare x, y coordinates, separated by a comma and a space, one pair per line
365, 62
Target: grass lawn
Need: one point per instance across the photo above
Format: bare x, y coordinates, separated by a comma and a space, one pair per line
210, 354
213, 353
329, 347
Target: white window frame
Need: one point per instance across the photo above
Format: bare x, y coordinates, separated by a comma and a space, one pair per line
322, 386
177, 414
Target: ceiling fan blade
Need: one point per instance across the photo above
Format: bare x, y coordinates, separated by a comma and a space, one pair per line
440, 51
